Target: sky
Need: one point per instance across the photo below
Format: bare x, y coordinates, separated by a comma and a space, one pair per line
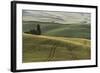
56, 16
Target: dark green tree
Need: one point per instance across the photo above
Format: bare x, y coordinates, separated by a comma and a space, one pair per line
38, 30
32, 31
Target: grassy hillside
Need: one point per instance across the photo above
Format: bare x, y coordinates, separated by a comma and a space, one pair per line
57, 29
75, 32
37, 48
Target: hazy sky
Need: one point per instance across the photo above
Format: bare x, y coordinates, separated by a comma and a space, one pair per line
55, 16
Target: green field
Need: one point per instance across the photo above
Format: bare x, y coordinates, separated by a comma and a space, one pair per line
60, 30
57, 42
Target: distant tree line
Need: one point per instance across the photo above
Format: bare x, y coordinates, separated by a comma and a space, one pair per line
36, 31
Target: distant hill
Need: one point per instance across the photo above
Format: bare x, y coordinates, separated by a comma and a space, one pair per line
56, 16
40, 48
57, 29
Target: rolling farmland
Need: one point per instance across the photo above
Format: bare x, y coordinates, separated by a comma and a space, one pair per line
57, 42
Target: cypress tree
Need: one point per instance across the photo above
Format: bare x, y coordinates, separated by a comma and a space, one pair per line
38, 30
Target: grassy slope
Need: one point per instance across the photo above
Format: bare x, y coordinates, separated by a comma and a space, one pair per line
46, 48
56, 29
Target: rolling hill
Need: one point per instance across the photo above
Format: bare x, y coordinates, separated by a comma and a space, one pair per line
56, 16
41, 48
57, 29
